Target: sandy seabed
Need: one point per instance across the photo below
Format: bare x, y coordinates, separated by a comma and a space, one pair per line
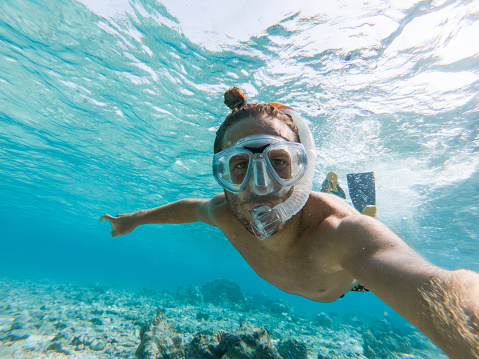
45, 319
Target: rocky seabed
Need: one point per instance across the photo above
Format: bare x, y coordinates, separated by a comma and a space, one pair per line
214, 321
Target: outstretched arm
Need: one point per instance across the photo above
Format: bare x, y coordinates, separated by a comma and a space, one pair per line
182, 211
443, 304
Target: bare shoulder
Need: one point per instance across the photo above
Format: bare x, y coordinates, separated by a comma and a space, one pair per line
363, 237
324, 204
321, 222
208, 209
324, 212
218, 202
367, 232
219, 209
352, 237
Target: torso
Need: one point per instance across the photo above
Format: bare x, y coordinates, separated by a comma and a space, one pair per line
302, 258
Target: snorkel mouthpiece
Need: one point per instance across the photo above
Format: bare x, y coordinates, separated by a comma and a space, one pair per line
266, 221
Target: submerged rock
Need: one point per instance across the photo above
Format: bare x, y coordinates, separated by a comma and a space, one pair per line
293, 349
23, 321
202, 316
99, 288
16, 335
159, 340
191, 295
279, 307
58, 348
203, 346
97, 345
247, 343
323, 320
224, 292
96, 321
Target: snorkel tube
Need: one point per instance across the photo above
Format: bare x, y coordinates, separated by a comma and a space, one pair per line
266, 220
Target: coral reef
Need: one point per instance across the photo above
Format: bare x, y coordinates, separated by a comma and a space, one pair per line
211, 321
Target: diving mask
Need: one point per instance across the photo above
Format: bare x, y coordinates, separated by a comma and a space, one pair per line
274, 164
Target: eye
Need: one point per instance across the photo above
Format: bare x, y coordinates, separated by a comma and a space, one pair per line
241, 165
280, 159
277, 162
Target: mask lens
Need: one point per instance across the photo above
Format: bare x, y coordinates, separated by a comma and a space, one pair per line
231, 168
288, 162
238, 168
280, 160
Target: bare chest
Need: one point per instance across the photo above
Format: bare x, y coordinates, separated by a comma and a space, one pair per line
298, 271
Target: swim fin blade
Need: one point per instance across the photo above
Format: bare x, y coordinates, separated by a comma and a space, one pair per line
362, 190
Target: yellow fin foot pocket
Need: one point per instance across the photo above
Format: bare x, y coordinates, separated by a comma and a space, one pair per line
333, 178
370, 210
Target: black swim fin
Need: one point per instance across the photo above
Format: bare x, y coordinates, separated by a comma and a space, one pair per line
362, 190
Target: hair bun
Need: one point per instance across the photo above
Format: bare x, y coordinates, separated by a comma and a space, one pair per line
235, 97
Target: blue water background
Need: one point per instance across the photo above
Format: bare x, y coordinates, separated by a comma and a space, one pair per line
113, 108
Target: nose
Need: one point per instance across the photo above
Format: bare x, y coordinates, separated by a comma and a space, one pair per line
262, 182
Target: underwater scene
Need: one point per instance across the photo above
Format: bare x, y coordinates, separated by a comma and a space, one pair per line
112, 106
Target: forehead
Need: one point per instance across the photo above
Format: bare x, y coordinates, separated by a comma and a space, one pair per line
257, 126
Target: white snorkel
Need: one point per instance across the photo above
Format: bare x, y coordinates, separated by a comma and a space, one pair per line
266, 220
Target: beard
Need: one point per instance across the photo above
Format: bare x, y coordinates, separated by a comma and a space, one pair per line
235, 205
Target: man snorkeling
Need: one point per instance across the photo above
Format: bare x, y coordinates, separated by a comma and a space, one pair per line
310, 243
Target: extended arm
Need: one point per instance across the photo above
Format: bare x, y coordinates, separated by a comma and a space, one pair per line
182, 211
443, 304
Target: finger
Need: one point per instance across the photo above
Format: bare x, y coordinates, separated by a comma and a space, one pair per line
106, 216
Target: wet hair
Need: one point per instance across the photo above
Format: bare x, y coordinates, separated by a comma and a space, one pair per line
235, 99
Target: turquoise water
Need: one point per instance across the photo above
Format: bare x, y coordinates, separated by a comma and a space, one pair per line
112, 107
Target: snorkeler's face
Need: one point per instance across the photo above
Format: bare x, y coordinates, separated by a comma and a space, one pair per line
244, 202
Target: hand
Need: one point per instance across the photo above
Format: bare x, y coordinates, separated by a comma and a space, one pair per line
121, 224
